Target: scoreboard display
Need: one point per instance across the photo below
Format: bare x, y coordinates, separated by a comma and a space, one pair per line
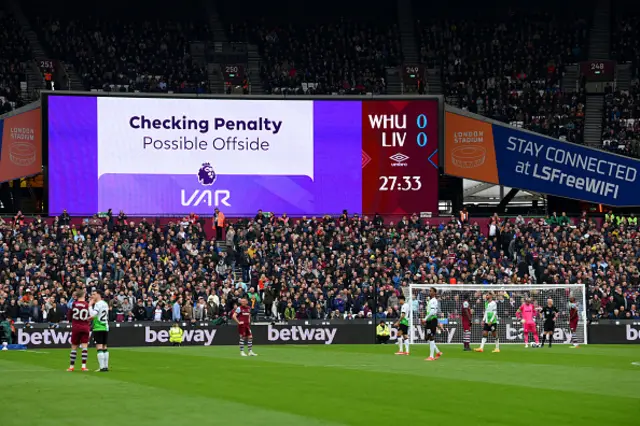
400, 141
299, 155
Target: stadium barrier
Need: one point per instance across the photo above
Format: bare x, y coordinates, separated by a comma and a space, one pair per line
150, 334
614, 332
302, 332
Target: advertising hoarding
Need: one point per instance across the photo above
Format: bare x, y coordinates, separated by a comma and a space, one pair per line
622, 332
302, 333
488, 152
20, 145
164, 155
158, 335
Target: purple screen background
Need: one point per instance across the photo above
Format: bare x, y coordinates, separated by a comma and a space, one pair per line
73, 170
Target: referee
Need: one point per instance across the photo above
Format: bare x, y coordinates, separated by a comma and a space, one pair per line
549, 314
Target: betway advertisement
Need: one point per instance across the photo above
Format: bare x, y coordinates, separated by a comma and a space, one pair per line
615, 333
503, 155
509, 331
164, 156
130, 335
158, 335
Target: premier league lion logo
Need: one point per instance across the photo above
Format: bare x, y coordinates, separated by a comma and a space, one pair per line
206, 175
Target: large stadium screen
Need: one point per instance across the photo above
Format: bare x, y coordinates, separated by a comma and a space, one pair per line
166, 156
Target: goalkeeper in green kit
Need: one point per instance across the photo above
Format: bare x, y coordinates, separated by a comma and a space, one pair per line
100, 314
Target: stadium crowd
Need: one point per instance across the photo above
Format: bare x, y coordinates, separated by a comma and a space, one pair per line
304, 53
308, 268
14, 52
620, 128
125, 51
621, 122
509, 67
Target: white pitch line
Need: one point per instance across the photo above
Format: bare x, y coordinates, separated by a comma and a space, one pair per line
338, 365
637, 364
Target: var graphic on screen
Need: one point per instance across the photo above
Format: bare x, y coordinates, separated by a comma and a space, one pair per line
164, 156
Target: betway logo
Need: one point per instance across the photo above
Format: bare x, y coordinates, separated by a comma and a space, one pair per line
420, 335
298, 333
632, 334
44, 337
196, 336
559, 335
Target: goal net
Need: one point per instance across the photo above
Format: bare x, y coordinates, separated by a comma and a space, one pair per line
508, 297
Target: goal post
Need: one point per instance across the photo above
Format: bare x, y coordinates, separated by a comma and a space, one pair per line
508, 297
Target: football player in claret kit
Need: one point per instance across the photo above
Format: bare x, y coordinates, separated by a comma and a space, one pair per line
549, 313
467, 315
403, 327
242, 316
573, 321
80, 318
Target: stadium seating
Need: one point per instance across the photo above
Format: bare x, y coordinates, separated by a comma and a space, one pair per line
508, 65
147, 266
14, 51
621, 128
127, 51
621, 122
625, 41
342, 48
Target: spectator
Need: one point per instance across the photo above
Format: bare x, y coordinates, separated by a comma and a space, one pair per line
187, 310
140, 312
269, 298
218, 222
289, 312
176, 315
200, 312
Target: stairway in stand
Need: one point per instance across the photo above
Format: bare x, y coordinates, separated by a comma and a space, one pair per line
599, 48
34, 75
407, 32
394, 81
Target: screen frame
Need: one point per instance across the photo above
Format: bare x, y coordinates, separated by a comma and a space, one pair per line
46, 94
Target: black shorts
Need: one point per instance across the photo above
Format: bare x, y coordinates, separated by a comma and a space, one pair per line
549, 326
490, 327
404, 328
430, 328
100, 337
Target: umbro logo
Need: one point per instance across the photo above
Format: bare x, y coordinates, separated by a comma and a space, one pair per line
399, 160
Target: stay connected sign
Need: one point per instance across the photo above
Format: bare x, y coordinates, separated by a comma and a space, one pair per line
503, 155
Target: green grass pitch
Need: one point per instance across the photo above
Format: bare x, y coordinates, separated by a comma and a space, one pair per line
324, 385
